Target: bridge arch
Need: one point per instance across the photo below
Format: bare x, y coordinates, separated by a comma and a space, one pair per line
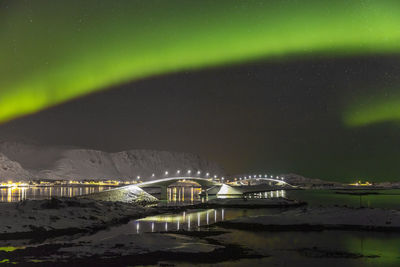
165, 182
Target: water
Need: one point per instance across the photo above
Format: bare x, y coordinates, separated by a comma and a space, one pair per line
317, 248
178, 196
289, 248
190, 220
283, 248
15, 194
389, 199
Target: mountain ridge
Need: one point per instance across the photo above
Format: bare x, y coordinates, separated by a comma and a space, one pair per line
71, 163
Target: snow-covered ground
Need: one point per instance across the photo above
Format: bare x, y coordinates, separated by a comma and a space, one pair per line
298, 180
39, 216
21, 162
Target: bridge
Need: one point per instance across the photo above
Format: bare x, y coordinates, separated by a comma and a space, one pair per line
248, 180
208, 186
217, 188
163, 183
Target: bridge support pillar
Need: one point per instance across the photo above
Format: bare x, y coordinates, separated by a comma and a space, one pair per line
163, 193
204, 189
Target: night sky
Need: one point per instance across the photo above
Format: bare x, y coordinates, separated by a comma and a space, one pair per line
279, 86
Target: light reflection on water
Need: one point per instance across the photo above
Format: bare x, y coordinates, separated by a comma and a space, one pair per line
191, 195
268, 194
182, 195
15, 194
176, 195
189, 220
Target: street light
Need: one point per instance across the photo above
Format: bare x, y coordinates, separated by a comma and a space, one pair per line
178, 171
166, 173
189, 171
138, 177
215, 177
207, 174
153, 175
198, 172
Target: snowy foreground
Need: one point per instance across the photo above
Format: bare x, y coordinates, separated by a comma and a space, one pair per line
36, 218
76, 241
69, 215
323, 218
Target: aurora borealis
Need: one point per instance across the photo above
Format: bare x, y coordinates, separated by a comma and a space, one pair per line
374, 109
53, 51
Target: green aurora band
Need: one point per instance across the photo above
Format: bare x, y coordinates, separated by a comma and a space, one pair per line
52, 51
372, 110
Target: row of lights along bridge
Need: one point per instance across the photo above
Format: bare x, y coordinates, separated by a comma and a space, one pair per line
198, 173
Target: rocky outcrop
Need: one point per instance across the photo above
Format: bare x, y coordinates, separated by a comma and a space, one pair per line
127, 194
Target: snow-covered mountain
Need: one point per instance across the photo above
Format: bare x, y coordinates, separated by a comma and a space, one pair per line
21, 162
295, 179
11, 170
